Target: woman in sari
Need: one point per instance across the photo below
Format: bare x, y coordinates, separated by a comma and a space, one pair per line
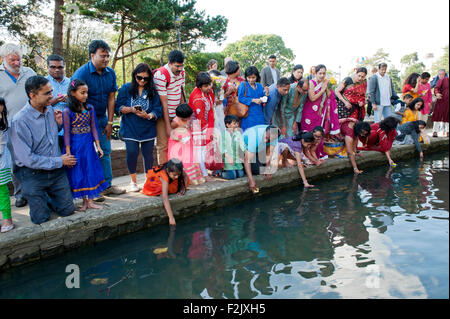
320, 108
381, 137
289, 114
412, 110
411, 85
233, 71
297, 73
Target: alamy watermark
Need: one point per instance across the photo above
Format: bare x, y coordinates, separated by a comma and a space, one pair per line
73, 279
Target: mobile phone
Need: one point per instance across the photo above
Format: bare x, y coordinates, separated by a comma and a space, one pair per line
138, 107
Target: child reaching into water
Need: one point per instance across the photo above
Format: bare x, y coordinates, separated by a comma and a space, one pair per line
181, 145
86, 177
290, 149
233, 149
5, 170
164, 180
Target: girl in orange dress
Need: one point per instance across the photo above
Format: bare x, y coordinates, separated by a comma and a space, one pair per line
164, 180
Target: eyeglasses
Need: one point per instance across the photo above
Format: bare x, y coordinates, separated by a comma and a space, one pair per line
56, 67
140, 78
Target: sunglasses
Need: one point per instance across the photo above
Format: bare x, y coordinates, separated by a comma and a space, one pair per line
56, 67
140, 78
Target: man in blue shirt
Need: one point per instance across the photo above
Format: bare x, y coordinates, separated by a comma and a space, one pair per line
261, 156
60, 85
58, 81
102, 84
38, 160
276, 92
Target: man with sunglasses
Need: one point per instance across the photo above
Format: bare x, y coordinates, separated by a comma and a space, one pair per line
102, 84
59, 82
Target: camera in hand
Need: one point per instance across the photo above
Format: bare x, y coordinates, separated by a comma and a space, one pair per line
138, 107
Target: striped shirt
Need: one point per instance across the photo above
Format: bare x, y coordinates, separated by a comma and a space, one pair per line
172, 91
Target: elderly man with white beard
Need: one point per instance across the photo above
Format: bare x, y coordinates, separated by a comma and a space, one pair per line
12, 88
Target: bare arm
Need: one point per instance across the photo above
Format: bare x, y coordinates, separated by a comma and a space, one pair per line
298, 156
165, 198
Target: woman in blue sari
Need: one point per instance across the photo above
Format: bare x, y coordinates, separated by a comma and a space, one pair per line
252, 93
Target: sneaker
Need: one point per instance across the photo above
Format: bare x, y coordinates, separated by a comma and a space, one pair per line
7, 228
114, 190
133, 187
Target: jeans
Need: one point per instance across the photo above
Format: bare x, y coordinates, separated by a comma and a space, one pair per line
232, 174
133, 153
386, 111
43, 189
105, 144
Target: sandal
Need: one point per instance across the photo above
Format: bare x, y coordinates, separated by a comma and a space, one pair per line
7, 228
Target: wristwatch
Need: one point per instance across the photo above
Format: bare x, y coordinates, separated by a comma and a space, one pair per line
111, 123
151, 116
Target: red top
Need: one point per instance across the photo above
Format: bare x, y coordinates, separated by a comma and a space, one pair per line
203, 105
378, 140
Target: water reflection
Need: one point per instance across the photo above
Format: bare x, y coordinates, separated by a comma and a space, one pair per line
370, 236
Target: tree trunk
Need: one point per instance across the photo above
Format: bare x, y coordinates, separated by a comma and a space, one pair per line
58, 28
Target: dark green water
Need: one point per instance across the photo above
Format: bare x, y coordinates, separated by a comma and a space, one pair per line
383, 234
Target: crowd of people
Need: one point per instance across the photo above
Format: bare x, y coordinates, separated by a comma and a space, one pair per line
55, 131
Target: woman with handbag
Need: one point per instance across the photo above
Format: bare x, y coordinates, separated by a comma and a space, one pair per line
252, 95
233, 70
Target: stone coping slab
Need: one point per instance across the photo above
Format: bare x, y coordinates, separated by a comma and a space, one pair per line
134, 211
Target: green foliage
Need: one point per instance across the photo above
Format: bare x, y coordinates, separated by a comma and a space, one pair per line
153, 22
15, 17
412, 64
255, 50
441, 63
394, 74
196, 63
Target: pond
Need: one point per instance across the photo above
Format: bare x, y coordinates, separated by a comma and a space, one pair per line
383, 234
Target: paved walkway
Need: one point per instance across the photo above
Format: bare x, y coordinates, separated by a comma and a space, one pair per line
21, 217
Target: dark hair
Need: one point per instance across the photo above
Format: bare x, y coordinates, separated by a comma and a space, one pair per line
73, 104
361, 126
301, 82
361, 69
172, 166
211, 63
382, 65
425, 75
412, 79
252, 70
308, 137
98, 44
183, 111
407, 96
214, 72
202, 78
413, 103
4, 119
34, 83
283, 82
54, 57
319, 67
272, 56
389, 124
231, 67
230, 118
416, 125
273, 127
176, 56
149, 86
292, 77
318, 129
